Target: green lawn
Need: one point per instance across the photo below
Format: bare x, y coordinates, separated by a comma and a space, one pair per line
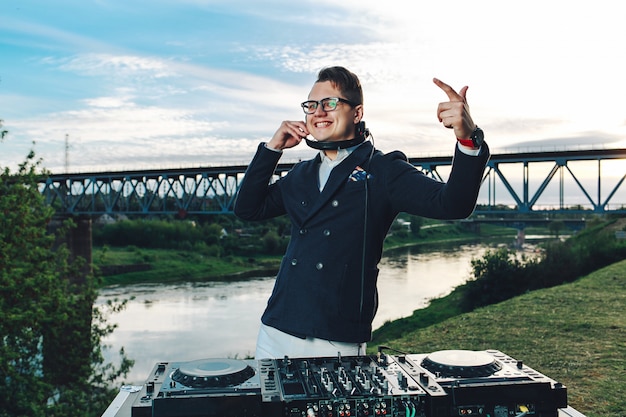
574, 333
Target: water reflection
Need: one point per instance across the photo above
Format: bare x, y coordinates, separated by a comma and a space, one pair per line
409, 279
189, 321
180, 322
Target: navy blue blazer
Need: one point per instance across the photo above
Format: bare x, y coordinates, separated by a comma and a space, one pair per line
326, 285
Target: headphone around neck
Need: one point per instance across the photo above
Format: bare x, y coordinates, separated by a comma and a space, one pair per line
362, 133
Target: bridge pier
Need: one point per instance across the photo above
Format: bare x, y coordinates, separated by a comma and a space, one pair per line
80, 245
78, 241
520, 238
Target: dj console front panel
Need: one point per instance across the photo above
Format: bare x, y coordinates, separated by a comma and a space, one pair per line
446, 383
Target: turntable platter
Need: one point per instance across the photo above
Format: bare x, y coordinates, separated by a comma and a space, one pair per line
213, 373
461, 364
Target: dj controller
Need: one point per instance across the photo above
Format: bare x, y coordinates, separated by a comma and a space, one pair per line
441, 384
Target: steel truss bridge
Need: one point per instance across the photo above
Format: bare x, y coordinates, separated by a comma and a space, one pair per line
514, 183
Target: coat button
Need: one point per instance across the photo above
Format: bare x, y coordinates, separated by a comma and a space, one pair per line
319, 265
335, 203
303, 231
294, 262
303, 203
326, 232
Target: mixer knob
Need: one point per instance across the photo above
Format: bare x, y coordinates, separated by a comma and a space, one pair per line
423, 377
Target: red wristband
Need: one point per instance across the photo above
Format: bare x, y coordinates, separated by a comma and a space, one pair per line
466, 142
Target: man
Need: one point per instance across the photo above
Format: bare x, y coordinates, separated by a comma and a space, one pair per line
341, 204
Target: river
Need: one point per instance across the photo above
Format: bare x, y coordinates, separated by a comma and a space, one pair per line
188, 321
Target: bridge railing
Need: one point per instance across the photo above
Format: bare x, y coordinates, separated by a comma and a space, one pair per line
212, 190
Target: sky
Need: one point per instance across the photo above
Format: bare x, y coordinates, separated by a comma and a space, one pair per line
97, 85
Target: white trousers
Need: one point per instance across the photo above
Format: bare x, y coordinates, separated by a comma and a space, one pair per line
272, 343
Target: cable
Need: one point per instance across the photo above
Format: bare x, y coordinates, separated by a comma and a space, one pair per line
383, 347
365, 216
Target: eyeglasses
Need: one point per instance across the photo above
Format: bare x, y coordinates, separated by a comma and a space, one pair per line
328, 104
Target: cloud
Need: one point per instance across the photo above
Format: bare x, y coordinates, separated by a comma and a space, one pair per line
159, 110
583, 141
201, 86
109, 65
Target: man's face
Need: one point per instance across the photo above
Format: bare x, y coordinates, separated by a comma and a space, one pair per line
335, 125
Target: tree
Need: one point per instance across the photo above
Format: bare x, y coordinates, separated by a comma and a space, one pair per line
416, 224
556, 226
271, 242
36, 296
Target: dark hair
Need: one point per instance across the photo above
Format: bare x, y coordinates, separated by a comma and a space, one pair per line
343, 80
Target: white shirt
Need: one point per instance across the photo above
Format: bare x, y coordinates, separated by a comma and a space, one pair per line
328, 164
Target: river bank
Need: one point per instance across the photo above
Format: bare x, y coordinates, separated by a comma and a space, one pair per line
126, 265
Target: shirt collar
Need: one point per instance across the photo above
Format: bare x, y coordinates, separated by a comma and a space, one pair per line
341, 155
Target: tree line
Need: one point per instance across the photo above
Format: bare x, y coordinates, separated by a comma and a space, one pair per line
218, 236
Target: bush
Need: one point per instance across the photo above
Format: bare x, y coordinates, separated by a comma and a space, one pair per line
498, 276
501, 275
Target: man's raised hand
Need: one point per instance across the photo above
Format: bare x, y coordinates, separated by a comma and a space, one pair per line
454, 113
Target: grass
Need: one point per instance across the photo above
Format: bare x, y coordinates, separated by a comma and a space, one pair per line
574, 333
167, 265
438, 310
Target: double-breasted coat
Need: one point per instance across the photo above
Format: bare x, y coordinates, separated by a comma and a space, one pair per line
326, 285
